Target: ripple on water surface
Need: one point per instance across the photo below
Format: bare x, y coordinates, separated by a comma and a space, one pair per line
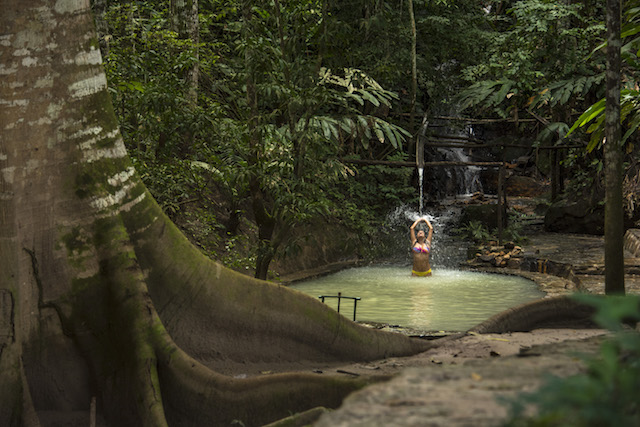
450, 300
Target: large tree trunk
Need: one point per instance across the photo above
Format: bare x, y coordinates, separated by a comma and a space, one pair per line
100, 294
613, 159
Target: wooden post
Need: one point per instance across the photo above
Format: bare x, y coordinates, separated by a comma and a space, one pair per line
562, 154
92, 413
554, 175
501, 190
505, 205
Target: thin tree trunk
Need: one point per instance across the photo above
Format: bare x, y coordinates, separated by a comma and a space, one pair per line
184, 20
414, 66
260, 202
298, 143
613, 156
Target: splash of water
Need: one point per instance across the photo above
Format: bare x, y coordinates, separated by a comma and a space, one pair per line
402, 214
448, 251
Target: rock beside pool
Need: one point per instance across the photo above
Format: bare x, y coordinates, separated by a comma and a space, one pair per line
509, 255
554, 278
513, 257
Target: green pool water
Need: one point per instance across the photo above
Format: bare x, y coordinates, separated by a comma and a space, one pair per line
450, 300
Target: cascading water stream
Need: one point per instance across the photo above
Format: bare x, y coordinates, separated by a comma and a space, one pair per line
421, 184
465, 179
420, 160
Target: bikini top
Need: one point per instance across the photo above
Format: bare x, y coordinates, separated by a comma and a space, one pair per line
420, 248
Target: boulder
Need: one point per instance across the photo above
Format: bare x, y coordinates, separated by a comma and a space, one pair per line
575, 217
487, 214
524, 186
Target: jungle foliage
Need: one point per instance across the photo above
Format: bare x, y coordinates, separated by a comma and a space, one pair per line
288, 91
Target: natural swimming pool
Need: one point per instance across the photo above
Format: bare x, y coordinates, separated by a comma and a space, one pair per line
450, 300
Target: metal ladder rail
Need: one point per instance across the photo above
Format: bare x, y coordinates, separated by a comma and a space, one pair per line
340, 297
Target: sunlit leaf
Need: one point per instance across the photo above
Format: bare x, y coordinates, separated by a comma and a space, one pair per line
369, 97
379, 133
591, 113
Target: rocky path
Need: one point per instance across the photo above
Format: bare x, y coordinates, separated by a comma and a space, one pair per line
462, 383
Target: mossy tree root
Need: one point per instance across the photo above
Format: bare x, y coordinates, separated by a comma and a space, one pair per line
555, 312
135, 377
165, 385
195, 395
234, 317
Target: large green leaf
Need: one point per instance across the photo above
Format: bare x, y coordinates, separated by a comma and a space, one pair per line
590, 114
391, 136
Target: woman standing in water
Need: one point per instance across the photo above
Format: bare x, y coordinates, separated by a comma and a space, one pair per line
421, 249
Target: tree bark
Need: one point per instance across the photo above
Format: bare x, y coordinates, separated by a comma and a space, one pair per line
614, 157
184, 19
101, 295
99, 8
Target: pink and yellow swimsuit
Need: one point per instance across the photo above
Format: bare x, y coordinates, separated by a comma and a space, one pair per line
421, 249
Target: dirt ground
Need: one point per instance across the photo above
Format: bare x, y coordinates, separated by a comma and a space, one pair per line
462, 381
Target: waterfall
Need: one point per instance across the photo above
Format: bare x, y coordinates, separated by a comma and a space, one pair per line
420, 160
448, 251
458, 180
466, 178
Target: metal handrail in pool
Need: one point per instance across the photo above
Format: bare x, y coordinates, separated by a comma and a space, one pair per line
340, 297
